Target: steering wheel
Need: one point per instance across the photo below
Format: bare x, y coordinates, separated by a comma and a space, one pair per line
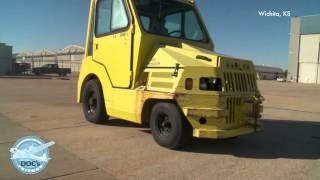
177, 31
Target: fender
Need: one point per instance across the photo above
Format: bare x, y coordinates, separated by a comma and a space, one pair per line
86, 74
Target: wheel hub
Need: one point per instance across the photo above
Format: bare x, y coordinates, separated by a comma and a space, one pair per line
164, 125
92, 103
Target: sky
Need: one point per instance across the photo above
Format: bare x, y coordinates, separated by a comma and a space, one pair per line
234, 25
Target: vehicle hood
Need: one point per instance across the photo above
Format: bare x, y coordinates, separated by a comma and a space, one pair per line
187, 56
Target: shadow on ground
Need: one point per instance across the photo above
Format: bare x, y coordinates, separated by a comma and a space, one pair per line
279, 139
122, 123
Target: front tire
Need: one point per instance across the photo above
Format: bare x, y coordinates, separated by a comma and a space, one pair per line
93, 102
169, 127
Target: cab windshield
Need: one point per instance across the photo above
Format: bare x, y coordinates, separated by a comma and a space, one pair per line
170, 18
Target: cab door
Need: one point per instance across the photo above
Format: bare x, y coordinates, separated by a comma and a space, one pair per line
113, 39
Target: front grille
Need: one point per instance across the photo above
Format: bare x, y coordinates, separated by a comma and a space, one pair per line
233, 104
239, 82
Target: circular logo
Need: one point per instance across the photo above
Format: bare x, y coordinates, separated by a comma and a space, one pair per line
30, 155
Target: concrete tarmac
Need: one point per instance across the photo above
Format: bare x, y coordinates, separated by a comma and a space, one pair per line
288, 148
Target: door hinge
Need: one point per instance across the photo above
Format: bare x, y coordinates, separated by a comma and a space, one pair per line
133, 29
131, 75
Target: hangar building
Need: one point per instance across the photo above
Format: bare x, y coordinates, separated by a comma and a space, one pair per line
304, 50
68, 57
269, 72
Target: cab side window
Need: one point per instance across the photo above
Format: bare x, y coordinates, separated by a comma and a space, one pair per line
103, 21
192, 27
119, 16
111, 15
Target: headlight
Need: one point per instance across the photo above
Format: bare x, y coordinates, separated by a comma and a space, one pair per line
210, 84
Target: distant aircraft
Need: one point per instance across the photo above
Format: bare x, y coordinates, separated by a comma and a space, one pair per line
30, 152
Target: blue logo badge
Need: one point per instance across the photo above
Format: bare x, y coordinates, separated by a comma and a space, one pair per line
30, 155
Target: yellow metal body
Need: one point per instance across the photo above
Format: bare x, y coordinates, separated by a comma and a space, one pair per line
136, 71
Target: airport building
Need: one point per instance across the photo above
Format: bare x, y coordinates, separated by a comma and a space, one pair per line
304, 50
69, 57
269, 72
6, 62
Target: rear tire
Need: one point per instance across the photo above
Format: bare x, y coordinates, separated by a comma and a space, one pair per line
169, 127
93, 102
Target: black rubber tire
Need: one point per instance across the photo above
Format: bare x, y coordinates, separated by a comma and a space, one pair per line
180, 132
93, 102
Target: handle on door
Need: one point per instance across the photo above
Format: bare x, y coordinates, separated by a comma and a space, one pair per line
97, 46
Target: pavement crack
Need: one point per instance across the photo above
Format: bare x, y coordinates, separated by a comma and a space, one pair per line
69, 174
287, 109
67, 127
